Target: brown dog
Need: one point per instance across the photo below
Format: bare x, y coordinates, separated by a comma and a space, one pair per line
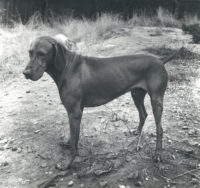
89, 81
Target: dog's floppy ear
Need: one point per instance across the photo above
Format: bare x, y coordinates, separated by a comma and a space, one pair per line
59, 56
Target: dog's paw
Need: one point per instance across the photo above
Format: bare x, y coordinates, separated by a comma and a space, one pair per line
65, 144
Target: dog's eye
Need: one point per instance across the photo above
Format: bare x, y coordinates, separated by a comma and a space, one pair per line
30, 53
41, 54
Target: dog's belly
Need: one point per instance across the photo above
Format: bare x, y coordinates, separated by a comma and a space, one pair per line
93, 101
97, 98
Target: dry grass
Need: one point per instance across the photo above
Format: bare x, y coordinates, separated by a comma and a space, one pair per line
16, 39
86, 29
163, 19
167, 19
189, 20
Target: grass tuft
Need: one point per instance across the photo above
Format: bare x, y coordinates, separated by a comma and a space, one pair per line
194, 30
87, 29
184, 53
167, 19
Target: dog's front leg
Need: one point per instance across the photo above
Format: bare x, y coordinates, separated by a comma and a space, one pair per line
75, 114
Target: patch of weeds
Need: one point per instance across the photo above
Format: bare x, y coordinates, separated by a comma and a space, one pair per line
161, 51
194, 30
158, 32
166, 19
182, 53
183, 70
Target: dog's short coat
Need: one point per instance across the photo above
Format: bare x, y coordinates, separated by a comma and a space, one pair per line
89, 81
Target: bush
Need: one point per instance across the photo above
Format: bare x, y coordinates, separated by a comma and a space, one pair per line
182, 53
194, 30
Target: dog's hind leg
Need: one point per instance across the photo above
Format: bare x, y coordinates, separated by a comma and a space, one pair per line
157, 84
138, 96
157, 106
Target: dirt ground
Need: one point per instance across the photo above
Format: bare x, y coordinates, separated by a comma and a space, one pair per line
33, 122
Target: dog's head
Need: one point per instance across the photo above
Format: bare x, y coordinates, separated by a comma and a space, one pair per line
43, 52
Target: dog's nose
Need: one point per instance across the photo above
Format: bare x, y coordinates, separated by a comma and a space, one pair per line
27, 73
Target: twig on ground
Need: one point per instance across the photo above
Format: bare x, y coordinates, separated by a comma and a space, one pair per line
139, 140
187, 172
51, 181
169, 180
41, 156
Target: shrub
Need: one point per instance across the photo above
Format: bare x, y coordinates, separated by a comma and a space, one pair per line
194, 30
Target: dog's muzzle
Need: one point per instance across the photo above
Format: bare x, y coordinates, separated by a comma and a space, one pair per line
27, 74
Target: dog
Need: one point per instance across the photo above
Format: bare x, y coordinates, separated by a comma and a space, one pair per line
85, 81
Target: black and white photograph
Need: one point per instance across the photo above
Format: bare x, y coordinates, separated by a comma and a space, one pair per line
99, 93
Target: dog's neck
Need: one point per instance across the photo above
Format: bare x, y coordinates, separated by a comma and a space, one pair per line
58, 75
54, 73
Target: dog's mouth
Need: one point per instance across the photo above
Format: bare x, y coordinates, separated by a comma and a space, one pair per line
29, 74
31, 77
27, 77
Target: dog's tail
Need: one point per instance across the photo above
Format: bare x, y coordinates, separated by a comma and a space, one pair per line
170, 57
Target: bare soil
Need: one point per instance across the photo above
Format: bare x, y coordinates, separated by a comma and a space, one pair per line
33, 122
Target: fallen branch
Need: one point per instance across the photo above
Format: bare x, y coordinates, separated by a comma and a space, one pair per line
187, 172
51, 181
